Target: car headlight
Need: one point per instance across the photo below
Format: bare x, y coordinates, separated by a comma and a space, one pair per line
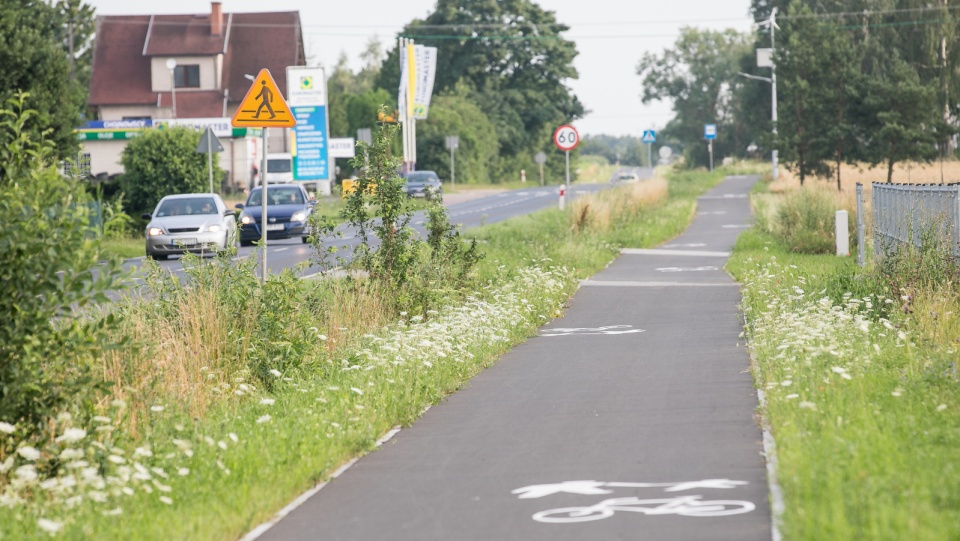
246, 219
298, 216
213, 228
154, 231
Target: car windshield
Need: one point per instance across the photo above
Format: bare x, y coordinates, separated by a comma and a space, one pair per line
424, 176
184, 206
277, 196
280, 165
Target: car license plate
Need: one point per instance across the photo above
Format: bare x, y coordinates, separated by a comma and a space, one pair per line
274, 227
183, 242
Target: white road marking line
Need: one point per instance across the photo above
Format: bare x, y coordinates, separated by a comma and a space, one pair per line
737, 226
281, 249
629, 283
725, 196
657, 251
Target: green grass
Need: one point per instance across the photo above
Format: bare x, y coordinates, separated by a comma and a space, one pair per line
126, 248
317, 421
869, 457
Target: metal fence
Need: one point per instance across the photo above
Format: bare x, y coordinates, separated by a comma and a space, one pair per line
904, 213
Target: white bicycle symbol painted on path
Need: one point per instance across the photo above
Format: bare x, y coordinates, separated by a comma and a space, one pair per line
608, 330
684, 505
687, 506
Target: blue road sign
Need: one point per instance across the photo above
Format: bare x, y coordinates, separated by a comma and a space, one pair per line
649, 136
709, 131
310, 161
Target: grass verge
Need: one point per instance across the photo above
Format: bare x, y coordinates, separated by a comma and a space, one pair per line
209, 428
861, 394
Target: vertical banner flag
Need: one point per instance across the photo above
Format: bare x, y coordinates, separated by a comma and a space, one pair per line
425, 70
307, 97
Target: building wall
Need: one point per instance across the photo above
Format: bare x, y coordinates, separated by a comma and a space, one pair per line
161, 79
104, 155
119, 112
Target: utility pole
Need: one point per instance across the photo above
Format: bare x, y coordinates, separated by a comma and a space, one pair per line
774, 154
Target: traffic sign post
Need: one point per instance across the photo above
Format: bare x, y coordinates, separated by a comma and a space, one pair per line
209, 144
649, 137
452, 143
540, 158
566, 138
710, 133
262, 99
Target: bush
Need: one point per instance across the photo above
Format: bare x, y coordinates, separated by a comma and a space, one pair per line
805, 219
47, 257
164, 162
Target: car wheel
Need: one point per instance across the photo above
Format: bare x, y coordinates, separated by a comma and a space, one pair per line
157, 257
305, 239
246, 242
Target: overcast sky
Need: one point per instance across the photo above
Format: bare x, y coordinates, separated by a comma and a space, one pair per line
611, 36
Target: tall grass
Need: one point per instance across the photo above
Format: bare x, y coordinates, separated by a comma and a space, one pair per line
861, 391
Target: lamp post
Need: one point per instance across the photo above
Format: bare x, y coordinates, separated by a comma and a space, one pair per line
765, 60
172, 66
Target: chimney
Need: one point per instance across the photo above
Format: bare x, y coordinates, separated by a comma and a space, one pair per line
216, 19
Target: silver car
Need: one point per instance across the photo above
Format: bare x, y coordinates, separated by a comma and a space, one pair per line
196, 222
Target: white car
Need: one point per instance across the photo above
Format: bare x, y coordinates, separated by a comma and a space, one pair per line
196, 222
626, 178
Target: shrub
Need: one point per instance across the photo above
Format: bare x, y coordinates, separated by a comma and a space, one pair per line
805, 221
164, 162
47, 257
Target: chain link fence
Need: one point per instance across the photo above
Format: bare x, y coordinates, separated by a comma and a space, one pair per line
904, 213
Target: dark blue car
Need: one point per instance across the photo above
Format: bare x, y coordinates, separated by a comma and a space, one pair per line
288, 207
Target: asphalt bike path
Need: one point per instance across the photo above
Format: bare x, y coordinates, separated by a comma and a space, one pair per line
632, 417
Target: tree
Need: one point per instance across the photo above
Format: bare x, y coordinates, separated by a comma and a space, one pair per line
34, 52
47, 256
699, 74
163, 162
455, 114
904, 123
513, 56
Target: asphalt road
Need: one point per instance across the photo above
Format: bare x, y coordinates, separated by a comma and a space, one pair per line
629, 418
289, 253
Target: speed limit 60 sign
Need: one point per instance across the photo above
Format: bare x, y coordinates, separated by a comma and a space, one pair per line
566, 137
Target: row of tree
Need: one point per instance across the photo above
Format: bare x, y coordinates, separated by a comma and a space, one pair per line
863, 81
500, 86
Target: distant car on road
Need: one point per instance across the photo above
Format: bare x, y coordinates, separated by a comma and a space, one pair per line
422, 184
288, 207
626, 177
196, 222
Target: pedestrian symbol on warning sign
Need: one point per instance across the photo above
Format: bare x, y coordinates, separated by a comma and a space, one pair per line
263, 106
267, 97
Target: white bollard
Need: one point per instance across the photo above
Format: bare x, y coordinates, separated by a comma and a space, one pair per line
562, 196
843, 234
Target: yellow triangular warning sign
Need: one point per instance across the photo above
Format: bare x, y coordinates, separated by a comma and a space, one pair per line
263, 106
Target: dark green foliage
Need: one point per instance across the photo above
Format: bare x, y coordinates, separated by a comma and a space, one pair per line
163, 162
515, 61
700, 75
47, 259
476, 156
34, 57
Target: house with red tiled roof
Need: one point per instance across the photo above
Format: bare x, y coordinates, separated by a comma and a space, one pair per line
185, 69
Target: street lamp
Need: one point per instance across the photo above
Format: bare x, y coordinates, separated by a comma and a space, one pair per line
172, 66
765, 60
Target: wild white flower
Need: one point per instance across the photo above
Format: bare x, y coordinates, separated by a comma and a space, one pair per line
222, 444
897, 392
792, 396
142, 451
183, 472
116, 459
166, 499
101, 419
113, 512
358, 391
233, 437
267, 401
29, 453
322, 337
156, 408
26, 473
941, 407
276, 373
838, 369
7, 428
264, 419
70, 454
786, 383
52, 527
6, 464
808, 405
118, 403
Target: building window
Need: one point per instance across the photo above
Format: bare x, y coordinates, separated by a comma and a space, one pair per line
81, 167
187, 76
